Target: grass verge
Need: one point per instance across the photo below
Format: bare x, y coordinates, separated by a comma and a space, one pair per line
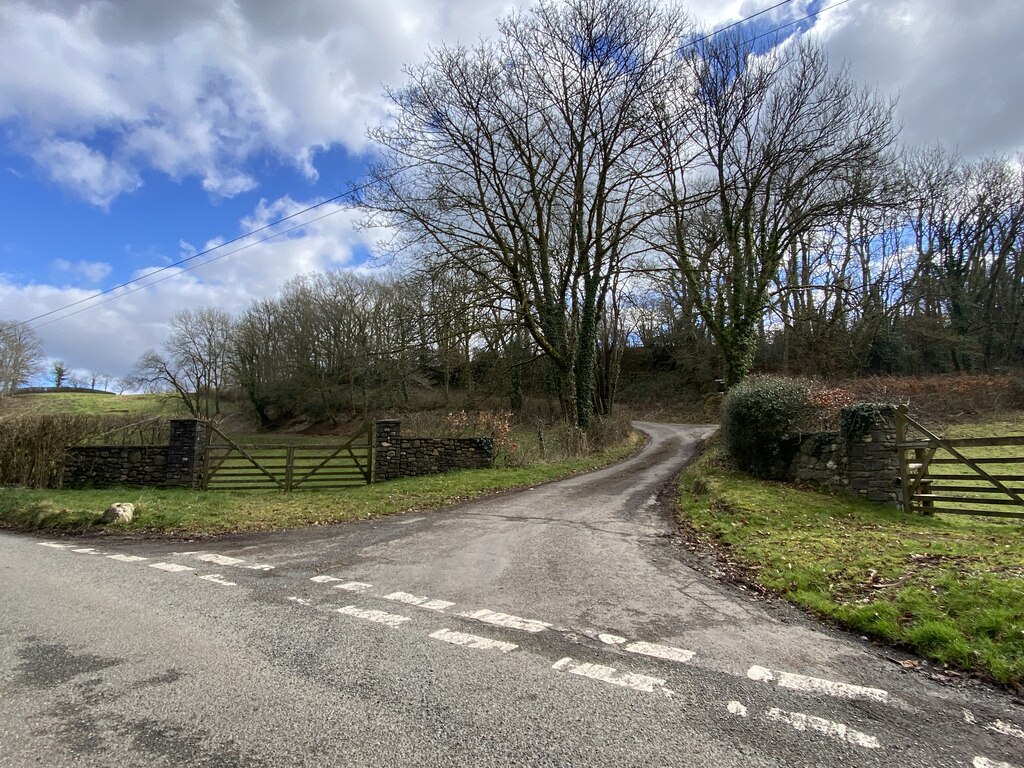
949, 588
193, 513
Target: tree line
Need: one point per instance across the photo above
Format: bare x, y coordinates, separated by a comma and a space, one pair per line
602, 180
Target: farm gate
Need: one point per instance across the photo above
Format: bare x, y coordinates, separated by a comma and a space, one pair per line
228, 465
960, 476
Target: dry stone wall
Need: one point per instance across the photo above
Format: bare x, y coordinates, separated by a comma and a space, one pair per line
397, 456
176, 465
865, 463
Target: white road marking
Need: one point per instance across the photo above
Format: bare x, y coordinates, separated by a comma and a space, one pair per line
437, 605
473, 641
735, 708
324, 579
1007, 729
984, 762
390, 619
301, 601
610, 675
422, 602
838, 731
216, 578
258, 567
611, 639
505, 620
220, 559
354, 586
128, 558
661, 651
816, 685
171, 567
969, 717
55, 545
86, 551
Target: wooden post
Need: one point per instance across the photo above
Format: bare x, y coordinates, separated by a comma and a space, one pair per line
901, 438
289, 465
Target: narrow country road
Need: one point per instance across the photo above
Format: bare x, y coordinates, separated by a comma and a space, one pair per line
560, 625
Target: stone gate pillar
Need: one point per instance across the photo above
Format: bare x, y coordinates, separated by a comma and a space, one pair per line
185, 454
387, 458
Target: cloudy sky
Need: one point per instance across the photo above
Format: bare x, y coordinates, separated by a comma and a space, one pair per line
139, 132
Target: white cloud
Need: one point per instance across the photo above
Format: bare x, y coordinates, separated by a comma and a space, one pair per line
196, 87
955, 65
92, 271
113, 333
90, 174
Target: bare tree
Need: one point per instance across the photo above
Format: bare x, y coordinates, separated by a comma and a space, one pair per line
524, 162
194, 362
759, 150
21, 356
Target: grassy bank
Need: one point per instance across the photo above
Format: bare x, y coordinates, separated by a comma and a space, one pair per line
191, 513
949, 588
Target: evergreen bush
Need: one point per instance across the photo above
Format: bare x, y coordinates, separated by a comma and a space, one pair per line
759, 414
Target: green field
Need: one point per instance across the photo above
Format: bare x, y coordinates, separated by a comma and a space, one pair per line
84, 403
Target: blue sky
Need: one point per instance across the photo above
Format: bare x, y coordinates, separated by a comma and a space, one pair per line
135, 132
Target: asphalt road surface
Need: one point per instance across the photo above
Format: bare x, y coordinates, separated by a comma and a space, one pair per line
561, 625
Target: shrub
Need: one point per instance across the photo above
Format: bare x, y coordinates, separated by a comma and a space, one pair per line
32, 448
759, 415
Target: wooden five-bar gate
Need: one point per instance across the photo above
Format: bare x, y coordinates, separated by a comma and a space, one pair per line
227, 465
961, 476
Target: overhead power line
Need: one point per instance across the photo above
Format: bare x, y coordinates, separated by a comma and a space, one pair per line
146, 277
179, 272
187, 259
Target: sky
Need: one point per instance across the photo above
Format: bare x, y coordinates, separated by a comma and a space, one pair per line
135, 133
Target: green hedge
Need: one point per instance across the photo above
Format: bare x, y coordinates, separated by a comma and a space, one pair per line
759, 414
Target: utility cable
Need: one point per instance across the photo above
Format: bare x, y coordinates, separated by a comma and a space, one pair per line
186, 269
187, 259
335, 198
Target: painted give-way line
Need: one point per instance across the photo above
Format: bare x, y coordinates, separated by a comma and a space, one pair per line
801, 722
473, 641
610, 675
380, 617
816, 685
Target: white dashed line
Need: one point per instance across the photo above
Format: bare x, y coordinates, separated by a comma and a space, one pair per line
801, 722
390, 619
735, 708
816, 685
609, 675
666, 652
216, 578
220, 559
1007, 729
505, 620
324, 579
86, 551
171, 567
984, 762
611, 639
473, 641
54, 545
257, 567
354, 586
301, 601
128, 558
417, 600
